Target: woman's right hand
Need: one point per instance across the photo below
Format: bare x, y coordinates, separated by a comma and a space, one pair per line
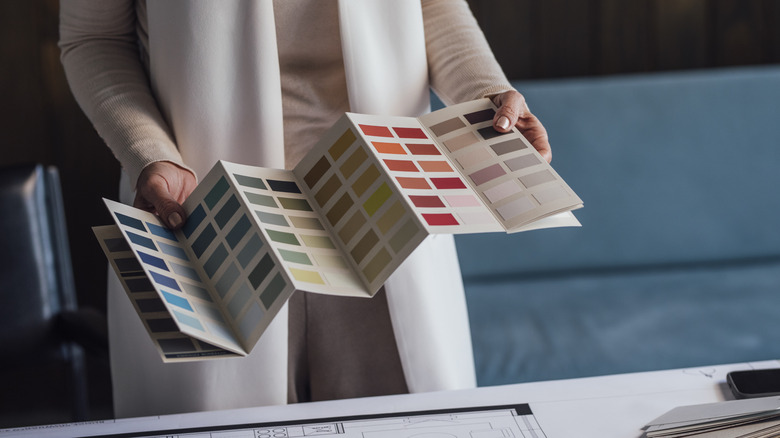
161, 189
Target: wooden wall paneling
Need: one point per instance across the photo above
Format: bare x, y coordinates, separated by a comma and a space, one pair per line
507, 27
624, 42
739, 33
23, 138
771, 26
682, 33
51, 77
556, 38
562, 37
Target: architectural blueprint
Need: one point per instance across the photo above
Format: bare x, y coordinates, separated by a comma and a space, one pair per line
514, 421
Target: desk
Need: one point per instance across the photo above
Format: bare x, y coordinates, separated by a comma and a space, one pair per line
599, 407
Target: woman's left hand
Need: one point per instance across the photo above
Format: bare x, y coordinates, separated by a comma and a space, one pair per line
513, 111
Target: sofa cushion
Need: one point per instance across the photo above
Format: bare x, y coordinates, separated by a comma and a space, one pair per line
635, 320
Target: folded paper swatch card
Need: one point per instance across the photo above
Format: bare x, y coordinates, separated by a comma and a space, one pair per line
343, 220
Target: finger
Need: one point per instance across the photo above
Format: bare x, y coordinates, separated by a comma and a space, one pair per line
155, 192
141, 203
536, 134
511, 107
513, 111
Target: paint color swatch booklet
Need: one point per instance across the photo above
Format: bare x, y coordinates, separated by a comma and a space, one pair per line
341, 222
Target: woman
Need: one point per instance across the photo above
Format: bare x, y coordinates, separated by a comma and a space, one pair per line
174, 86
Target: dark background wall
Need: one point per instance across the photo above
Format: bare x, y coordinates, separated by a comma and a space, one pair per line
558, 38
40, 121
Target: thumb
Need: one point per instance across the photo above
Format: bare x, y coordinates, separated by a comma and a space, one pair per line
154, 195
511, 106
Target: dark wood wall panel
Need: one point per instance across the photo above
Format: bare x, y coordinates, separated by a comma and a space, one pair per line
563, 38
739, 32
623, 43
682, 32
20, 93
532, 38
771, 31
510, 30
597, 37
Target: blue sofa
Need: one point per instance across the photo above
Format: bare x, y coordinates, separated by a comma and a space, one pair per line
678, 260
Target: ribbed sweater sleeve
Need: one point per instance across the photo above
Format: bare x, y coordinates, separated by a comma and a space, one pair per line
100, 54
461, 65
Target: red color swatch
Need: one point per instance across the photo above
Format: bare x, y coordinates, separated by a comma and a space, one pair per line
376, 131
448, 183
426, 201
435, 219
410, 133
413, 183
423, 149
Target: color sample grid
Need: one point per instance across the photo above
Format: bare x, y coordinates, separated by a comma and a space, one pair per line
294, 230
436, 191
164, 332
369, 217
165, 289
239, 266
513, 180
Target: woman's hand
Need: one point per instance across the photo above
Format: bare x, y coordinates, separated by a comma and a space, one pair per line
161, 189
513, 111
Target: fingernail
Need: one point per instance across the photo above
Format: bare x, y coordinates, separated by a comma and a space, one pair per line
174, 219
503, 122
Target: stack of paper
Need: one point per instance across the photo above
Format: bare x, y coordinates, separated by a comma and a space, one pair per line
751, 418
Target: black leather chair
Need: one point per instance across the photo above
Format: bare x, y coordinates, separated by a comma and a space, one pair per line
43, 333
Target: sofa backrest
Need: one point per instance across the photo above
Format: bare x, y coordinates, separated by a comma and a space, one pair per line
672, 167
